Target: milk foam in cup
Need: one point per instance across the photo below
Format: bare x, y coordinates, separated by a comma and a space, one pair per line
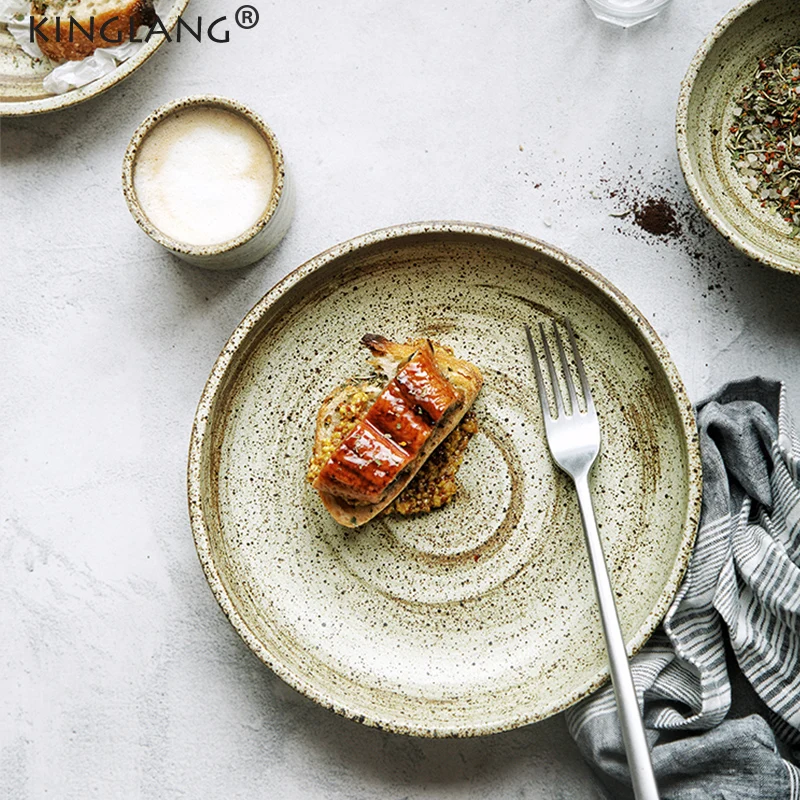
205, 177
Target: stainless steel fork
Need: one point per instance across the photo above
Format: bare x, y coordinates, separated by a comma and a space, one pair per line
574, 440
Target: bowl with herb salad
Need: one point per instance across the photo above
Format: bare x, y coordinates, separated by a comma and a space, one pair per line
738, 130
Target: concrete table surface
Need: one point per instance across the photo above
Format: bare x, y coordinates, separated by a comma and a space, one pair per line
120, 676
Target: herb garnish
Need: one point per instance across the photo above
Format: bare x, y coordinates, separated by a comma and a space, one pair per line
764, 140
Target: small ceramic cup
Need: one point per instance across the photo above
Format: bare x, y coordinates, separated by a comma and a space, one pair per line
251, 244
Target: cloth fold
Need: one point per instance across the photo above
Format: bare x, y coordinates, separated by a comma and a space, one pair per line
735, 617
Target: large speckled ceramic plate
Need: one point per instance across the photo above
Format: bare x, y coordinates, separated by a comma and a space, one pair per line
723, 65
21, 89
480, 616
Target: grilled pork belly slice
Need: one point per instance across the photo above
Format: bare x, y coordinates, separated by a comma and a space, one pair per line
392, 434
361, 469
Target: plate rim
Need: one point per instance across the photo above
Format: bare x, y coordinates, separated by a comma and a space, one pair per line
57, 102
394, 723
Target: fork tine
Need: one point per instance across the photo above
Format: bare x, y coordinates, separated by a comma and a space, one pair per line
539, 380
553, 375
587, 392
573, 398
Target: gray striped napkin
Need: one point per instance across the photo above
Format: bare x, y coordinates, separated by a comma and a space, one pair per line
735, 622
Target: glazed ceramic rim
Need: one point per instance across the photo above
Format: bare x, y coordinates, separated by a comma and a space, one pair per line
155, 119
217, 380
742, 243
56, 102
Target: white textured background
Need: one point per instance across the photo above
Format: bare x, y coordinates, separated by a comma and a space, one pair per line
119, 676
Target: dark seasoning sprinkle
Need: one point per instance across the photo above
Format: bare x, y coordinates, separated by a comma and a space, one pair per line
650, 204
657, 216
656, 209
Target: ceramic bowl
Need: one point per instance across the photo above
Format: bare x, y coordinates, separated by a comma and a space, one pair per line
723, 65
255, 242
480, 616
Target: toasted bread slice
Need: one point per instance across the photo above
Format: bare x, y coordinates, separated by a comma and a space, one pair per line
62, 40
345, 406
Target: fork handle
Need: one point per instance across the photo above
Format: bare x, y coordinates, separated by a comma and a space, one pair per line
633, 735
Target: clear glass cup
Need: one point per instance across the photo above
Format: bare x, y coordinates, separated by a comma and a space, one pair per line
627, 12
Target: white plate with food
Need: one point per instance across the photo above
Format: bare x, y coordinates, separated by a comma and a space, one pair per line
372, 497
65, 66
